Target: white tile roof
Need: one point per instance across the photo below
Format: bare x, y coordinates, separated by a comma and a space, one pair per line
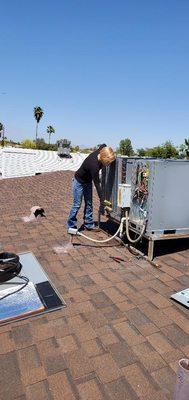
17, 162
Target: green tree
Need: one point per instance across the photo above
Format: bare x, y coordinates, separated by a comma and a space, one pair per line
156, 152
166, 150
186, 141
50, 130
29, 144
86, 151
38, 113
41, 144
182, 151
169, 150
141, 152
77, 148
74, 149
125, 147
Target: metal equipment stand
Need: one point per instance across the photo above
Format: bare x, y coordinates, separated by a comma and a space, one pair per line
150, 249
152, 240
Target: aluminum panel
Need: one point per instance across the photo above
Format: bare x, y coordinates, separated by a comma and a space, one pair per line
166, 200
169, 204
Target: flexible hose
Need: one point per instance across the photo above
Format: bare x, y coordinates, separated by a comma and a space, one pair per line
126, 219
127, 230
100, 241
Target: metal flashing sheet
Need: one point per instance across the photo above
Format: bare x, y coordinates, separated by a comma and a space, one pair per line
182, 297
15, 303
39, 285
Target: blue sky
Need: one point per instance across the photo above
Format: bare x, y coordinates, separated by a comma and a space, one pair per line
102, 70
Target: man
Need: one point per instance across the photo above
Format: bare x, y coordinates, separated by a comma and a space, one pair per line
82, 185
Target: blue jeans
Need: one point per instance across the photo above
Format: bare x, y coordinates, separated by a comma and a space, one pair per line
81, 190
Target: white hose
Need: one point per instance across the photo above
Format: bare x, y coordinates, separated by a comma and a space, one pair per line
100, 241
120, 229
127, 230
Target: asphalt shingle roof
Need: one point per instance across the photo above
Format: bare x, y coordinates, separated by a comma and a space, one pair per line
120, 336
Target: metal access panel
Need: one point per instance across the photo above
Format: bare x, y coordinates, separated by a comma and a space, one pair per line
160, 196
117, 173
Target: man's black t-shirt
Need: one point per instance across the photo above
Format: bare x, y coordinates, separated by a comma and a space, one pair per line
89, 170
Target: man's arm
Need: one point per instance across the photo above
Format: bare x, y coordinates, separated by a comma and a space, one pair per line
97, 184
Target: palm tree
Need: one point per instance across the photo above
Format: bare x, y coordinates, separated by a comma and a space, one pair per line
2, 132
38, 113
1, 127
50, 130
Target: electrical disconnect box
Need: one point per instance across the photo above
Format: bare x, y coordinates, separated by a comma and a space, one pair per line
124, 195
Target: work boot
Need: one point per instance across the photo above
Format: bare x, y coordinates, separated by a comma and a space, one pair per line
94, 228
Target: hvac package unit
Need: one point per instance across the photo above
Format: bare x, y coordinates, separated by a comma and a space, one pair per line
116, 181
158, 196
